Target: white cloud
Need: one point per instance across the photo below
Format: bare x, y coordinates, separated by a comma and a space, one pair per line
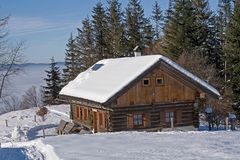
27, 25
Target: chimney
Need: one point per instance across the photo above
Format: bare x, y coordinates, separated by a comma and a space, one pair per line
137, 51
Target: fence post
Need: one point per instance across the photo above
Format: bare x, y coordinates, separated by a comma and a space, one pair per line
35, 118
43, 132
6, 123
172, 123
227, 127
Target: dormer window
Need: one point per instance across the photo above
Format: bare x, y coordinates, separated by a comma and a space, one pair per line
146, 82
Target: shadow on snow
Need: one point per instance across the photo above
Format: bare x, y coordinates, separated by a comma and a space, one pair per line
33, 132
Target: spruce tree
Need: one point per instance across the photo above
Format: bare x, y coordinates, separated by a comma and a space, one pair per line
116, 29
72, 61
214, 48
223, 18
202, 20
53, 83
157, 18
233, 56
85, 45
180, 30
148, 33
135, 23
169, 10
100, 31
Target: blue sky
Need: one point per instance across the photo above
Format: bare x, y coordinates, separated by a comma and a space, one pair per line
45, 25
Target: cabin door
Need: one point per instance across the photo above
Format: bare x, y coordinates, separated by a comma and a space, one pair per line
95, 122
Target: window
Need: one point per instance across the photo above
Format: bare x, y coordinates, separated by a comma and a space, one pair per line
137, 119
159, 81
146, 82
97, 66
168, 116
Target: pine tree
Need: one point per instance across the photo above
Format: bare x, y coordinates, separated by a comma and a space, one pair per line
223, 18
85, 45
53, 83
169, 11
148, 33
116, 29
157, 18
72, 61
233, 56
214, 49
135, 23
180, 30
202, 17
100, 31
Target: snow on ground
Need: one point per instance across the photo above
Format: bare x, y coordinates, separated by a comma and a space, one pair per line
31, 129
200, 145
31, 150
217, 145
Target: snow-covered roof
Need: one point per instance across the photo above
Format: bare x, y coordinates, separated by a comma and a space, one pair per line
107, 77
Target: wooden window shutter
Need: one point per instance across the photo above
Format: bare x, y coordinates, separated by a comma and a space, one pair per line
175, 117
179, 116
78, 112
146, 120
129, 121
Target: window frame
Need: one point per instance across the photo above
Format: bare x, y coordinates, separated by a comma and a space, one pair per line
146, 85
156, 81
168, 116
138, 117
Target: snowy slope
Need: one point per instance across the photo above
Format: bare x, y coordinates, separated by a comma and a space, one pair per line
31, 129
142, 146
219, 145
201, 145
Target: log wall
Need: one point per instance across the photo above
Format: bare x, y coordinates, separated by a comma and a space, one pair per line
153, 116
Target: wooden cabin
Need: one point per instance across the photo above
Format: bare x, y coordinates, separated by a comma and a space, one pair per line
135, 93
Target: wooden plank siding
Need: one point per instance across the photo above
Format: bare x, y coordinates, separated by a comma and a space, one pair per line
172, 90
93, 118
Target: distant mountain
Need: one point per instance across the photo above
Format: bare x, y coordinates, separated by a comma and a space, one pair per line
33, 74
40, 64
